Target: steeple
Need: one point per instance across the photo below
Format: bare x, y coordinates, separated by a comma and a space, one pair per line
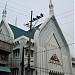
16, 22
51, 10
4, 11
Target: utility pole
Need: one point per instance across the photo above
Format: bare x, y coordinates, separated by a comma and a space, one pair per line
29, 47
36, 72
29, 44
22, 63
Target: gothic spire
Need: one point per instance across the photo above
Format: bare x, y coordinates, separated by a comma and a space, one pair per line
51, 10
4, 11
16, 22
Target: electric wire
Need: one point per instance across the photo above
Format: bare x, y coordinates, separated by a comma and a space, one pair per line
55, 30
45, 51
57, 48
66, 16
24, 6
65, 32
67, 23
47, 70
68, 35
65, 12
61, 47
50, 27
56, 15
37, 11
42, 69
15, 8
52, 49
16, 11
71, 14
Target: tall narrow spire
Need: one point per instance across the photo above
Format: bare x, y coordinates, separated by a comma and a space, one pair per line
4, 11
16, 22
51, 10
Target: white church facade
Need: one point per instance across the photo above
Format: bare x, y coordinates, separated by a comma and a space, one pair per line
49, 51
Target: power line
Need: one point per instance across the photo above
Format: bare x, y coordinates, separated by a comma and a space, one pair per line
39, 12
23, 6
59, 18
26, 15
57, 48
68, 36
65, 33
49, 69
67, 22
46, 70
34, 10
66, 16
15, 8
16, 11
65, 12
54, 29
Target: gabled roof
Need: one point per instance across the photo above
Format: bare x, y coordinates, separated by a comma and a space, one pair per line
59, 30
19, 32
57, 26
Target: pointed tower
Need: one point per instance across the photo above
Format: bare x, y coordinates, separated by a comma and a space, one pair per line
51, 10
16, 22
4, 12
6, 28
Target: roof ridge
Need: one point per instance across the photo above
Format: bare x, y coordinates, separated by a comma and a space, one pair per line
19, 32
17, 27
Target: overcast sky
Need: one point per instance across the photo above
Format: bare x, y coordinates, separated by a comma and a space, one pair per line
64, 12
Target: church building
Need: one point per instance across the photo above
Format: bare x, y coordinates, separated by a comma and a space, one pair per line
49, 51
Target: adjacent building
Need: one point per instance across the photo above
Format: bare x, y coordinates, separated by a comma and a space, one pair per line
49, 51
6, 42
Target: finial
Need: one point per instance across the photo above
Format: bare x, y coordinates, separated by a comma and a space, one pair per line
50, 2
4, 11
5, 5
16, 22
51, 10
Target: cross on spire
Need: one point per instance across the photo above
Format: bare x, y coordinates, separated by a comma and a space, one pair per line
4, 11
51, 10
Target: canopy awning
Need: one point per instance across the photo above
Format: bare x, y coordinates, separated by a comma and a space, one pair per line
4, 69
